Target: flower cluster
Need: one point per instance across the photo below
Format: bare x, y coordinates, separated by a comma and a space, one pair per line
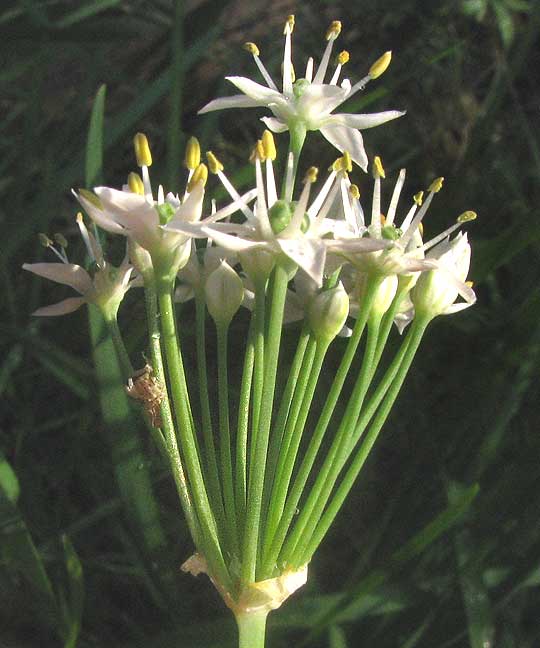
299, 250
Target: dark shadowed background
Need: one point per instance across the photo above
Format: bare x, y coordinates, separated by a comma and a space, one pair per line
414, 559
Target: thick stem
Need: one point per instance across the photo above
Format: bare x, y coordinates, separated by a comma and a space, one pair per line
251, 629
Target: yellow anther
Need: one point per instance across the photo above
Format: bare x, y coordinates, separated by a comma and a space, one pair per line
193, 153
378, 169
383, 219
380, 66
421, 229
252, 49
343, 57
199, 175
135, 183
354, 191
269, 145
293, 74
436, 185
91, 197
334, 30
419, 198
346, 162
61, 239
44, 240
469, 284
467, 216
142, 150
289, 24
214, 164
311, 175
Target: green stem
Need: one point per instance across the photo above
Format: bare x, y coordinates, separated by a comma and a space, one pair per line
331, 467
316, 440
167, 424
214, 486
306, 551
257, 475
258, 371
289, 454
281, 419
225, 439
119, 347
209, 535
251, 629
243, 423
297, 137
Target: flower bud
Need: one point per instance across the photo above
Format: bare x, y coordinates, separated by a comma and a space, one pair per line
224, 293
327, 312
437, 290
257, 264
384, 293
140, 259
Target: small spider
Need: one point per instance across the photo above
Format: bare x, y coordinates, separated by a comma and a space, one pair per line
147, 389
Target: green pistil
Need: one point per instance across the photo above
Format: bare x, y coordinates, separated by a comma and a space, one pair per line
165, 213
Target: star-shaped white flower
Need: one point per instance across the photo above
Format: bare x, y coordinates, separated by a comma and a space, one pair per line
105, 288
308, 103
283, 228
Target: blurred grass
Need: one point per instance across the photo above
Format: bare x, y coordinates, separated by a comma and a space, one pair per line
469, 414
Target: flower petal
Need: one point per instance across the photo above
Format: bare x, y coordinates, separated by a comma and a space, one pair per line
100, 218
347, 139
257, 92
68, 274
274, 124
308, 254
61, 308
236, 101
318, 101
368, 120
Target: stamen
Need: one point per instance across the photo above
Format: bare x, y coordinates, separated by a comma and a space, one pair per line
260, 208
327, 204
193, 154
346, 197
254, 50
142, 150
236, 196
135, 183
410, 215
287, 65
354, 191
331, 35
146, 183
269, 145
436, 185
311, 174
199, 175
309, 70
160, 195
380, 66
44, 240
214, 164
61, 240
94, 254
271, 189
395, 198
258, 152
378, 169
408, 234
467, 216
342, 58
418, 198
321, 196
289, 177
463, 218
346, 162
294, 227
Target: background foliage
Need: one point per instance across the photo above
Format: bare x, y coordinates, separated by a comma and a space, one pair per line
438, 546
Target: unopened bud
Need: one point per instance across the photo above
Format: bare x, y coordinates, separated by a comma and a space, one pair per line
224, 293
140, 259
193, 154
142, 150
381, 65
327, 312
257, 264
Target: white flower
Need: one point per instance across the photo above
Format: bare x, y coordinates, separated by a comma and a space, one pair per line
133, 212
105, 288
405, 253
436, 291
308, 103
281, 227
